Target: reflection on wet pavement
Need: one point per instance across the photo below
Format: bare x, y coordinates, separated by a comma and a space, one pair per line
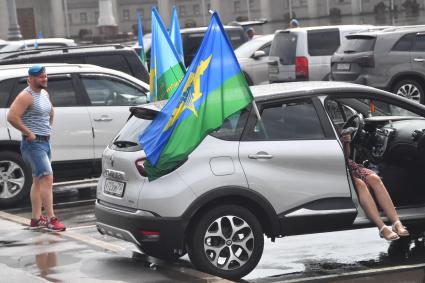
333, 253
57, 258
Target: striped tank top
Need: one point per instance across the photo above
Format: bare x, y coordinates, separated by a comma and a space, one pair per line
37, 117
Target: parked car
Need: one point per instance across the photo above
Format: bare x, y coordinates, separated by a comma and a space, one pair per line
284, 175
305, 53
253, 57
113, 56
392, 59
91, 106
18, 45
192, 38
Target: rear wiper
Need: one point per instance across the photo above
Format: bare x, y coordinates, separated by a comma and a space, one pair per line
350, 51
122, 144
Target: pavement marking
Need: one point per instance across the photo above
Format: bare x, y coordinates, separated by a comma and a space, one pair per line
356, 273
81, 227
117, 248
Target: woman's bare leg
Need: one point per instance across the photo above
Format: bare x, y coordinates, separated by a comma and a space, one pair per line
382, 196
367, 203
369, 207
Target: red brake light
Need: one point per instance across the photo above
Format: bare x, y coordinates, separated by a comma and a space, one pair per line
301, 67
140, 165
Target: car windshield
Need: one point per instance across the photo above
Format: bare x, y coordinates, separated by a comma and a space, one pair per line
357, 44
284, 46
248, 48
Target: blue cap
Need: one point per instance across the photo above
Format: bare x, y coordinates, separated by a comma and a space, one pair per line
36, 70
295, 23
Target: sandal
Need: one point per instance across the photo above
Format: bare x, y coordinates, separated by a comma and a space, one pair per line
391, 236
400, 229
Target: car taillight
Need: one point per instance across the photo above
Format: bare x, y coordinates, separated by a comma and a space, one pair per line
366, 61
140, 165
301, 68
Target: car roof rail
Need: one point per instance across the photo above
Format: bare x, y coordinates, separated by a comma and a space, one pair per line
67, 49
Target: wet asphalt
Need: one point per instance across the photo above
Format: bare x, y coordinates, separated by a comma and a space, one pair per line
346, 256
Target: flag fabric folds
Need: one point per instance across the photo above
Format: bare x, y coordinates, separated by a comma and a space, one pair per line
213, 89
175, 35
140, 40
166, 70
39, 35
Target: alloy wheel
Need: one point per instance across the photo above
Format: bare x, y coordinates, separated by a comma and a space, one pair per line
229, 242
410, 91
12, 179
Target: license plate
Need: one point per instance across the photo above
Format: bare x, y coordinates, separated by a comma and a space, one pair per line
343, 67
114, 188
273, 69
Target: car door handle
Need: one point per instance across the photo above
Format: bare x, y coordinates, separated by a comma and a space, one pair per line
260, 156
103, 119
419, 59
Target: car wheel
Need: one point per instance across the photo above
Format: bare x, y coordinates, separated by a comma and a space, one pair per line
409, 89
158, 252
15, 178
227, 241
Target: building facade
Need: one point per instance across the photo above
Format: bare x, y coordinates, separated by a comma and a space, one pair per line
75, 18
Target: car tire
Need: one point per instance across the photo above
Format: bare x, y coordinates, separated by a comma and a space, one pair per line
15, 178
206, 251
409, 89
158, 252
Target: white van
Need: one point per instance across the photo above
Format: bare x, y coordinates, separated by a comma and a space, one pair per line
305, 53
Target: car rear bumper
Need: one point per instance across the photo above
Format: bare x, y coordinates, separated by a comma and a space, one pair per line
140, 227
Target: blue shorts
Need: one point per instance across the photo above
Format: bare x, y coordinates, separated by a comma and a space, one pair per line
37, 154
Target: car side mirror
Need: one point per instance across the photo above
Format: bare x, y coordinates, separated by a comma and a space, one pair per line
258, 54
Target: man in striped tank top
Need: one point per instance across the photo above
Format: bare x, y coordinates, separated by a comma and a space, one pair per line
32, 113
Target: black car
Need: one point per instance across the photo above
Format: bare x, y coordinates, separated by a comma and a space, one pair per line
114, 56
192, 38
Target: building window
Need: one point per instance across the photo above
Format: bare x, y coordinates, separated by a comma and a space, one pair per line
196, 10
141, 12
303, 3
251, 4
96, 16
70, 18
83, 18
182, 11
237, 6
125, 14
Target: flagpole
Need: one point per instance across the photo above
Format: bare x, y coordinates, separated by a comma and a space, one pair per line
254, 105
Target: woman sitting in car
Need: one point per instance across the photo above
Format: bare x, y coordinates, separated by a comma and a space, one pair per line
365, 179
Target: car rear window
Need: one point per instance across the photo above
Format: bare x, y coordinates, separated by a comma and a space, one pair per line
323, 42
128, 137
284, 46
357, 44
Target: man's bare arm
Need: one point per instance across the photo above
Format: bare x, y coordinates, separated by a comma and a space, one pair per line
21, 103
52, 116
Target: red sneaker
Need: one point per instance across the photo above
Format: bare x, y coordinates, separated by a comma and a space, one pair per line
55, 225
38, 223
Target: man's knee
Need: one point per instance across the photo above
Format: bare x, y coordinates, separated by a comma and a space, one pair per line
47, 179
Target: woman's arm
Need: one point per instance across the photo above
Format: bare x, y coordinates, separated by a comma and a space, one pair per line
346, 140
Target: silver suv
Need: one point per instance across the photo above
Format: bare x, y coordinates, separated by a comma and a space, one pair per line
301, 54
392, 59
91, 106
283, 176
